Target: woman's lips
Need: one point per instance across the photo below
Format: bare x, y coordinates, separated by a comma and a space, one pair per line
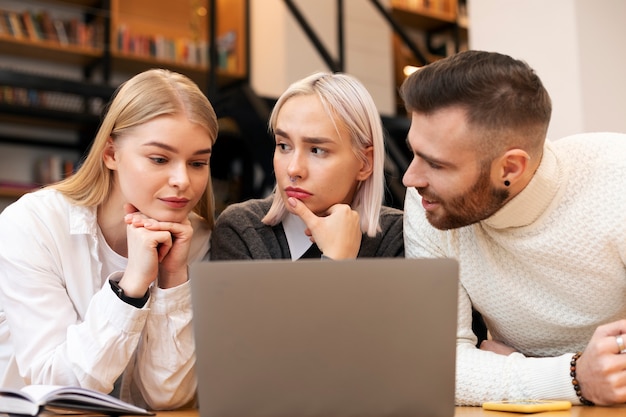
298, 193
175, 202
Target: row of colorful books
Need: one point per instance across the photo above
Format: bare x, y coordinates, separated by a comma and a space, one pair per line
180, 50
46, 170
41, 26
53, 168
29, 97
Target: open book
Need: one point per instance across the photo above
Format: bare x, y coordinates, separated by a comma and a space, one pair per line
33, 399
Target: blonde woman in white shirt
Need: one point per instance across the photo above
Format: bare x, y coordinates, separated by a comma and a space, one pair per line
93, 279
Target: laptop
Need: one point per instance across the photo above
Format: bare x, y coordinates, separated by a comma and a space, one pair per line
312, 338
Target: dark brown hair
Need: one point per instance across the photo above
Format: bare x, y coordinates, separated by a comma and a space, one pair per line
502, 96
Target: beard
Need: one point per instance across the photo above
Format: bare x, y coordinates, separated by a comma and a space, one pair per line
478, 203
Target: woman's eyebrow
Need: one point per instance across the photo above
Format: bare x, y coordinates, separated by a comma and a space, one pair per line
170, 148
281, 132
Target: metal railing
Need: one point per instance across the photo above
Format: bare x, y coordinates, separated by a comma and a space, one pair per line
338, 64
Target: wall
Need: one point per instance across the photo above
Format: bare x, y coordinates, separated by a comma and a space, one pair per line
603, 61
281, 53
575, 47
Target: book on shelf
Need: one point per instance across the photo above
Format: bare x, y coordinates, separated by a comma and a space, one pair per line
47, 26
52, 168
4, 29
180, 50
15, 25
59, 26
35, 399
31, 26
28, 25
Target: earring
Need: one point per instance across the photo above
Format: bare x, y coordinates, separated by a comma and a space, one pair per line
507, 183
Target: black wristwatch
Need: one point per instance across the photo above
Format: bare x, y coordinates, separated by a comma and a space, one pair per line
135, 302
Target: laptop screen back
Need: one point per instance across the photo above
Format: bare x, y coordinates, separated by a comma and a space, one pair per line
368, 337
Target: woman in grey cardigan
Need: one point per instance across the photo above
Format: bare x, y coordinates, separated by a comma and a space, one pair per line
328, 164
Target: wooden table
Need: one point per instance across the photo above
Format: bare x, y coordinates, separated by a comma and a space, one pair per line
576, 411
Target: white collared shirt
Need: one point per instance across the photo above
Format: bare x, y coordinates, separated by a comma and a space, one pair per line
60, 322
298, 241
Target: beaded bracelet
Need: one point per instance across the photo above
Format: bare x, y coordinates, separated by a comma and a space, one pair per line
572, 373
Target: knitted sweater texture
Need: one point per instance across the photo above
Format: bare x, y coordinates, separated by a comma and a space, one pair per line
544, 271
240, 234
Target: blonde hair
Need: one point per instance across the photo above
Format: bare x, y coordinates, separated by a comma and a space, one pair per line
350, 106
147, 95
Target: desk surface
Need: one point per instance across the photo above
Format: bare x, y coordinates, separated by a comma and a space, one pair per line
576, 411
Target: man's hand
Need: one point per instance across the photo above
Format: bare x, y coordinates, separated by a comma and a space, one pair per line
496, 347
601, 369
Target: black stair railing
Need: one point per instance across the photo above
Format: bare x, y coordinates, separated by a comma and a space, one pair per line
338, 65
335, 65
398, 30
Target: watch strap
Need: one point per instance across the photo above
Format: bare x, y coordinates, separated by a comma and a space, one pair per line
135, 302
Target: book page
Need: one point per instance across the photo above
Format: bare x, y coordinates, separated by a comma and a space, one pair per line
79, 398
39, 393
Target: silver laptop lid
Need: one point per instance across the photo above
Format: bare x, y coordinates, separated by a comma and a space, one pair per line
369, 337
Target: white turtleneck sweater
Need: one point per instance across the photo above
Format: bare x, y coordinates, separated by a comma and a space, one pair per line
544, 271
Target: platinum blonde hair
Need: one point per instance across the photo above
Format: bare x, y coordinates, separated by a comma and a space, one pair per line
350, 106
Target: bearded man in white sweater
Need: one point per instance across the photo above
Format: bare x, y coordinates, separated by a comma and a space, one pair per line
538, 228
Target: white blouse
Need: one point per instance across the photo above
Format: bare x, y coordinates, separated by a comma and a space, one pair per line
60, 322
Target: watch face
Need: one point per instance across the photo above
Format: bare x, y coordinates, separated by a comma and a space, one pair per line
116, 288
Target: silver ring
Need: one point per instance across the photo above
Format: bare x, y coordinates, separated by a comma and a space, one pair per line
620, 344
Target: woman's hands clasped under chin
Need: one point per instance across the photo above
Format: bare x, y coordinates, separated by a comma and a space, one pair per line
155, 250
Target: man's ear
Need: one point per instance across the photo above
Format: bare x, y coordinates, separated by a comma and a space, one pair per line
366, 167
109, 156
512, 166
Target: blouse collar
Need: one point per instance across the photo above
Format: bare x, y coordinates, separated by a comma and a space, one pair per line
298, 241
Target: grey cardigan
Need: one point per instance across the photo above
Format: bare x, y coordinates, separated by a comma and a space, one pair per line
240, 234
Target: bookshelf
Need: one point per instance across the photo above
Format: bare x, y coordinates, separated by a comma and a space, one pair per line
44, 116
149, 33
140, 34
91, 41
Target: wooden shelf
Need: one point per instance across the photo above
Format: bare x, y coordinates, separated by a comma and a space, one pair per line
81, 3
199, 74
424, 19
178, 28
31, 98
13, 192
144, 18
425, 14
48, 50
